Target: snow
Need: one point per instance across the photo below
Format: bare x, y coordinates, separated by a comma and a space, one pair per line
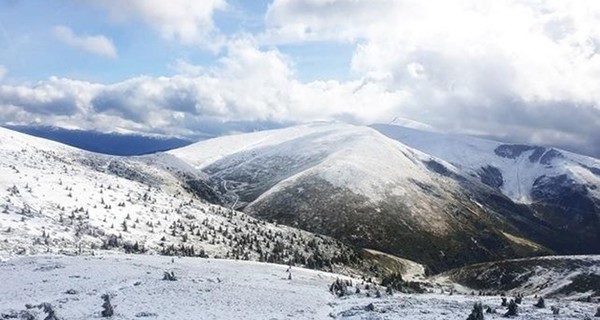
55, 198
43, 184
347, 156
223, 289
471, 154
205, 289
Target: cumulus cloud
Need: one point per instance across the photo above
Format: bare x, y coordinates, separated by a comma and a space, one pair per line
521, 69
248, 88
187, 21
96, 44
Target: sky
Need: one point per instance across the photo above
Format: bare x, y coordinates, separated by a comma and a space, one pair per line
523, 71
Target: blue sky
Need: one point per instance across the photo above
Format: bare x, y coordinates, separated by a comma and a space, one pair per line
31, 52
514, 70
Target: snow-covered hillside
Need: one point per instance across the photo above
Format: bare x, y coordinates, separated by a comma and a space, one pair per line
55, 198
350, 182
355, 184
347, 156
224, 289
558, 188
576, 277
513, 168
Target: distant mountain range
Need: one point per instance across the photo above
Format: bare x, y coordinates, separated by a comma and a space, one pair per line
107, 143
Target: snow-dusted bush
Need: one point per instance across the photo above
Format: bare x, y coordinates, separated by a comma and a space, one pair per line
169, 276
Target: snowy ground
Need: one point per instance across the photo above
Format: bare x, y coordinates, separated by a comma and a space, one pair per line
220, 289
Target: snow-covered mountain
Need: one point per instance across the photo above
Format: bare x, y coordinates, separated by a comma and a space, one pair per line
55, 198
515, 169
351, 183
357, 185
576, 277
562, 188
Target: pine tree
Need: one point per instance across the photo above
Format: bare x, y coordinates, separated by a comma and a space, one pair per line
540, 304
555, 310
107, 306
513, 309
518, 298
50, 313
477, 312
389, 290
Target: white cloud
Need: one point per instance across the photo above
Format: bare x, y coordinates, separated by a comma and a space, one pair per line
525, 69
247, 85
519, 70
3, 71
187, 21
96, 44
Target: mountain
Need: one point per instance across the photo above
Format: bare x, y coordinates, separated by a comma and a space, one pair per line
561, 188
107, 143
576, 277
349, 187
357, 185
59, 199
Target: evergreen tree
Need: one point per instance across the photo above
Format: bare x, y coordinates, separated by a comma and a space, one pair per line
50, 313
513, 309
555, 310
477, 312
107, 306
540, 304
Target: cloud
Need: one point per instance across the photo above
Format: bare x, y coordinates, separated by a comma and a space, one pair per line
3, 71
248, 85
96, 44
521, 69
187, 21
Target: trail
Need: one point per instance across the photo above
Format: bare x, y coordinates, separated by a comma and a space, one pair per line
237, 198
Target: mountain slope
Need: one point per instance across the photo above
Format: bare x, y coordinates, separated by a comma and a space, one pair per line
355, 184
514, 169
55, 198
561, 188
553, 276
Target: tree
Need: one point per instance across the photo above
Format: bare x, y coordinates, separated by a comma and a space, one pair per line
50, 313
555, 310
107, 306
540, 304
477, 312
518, 298
389, 290
513, 309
